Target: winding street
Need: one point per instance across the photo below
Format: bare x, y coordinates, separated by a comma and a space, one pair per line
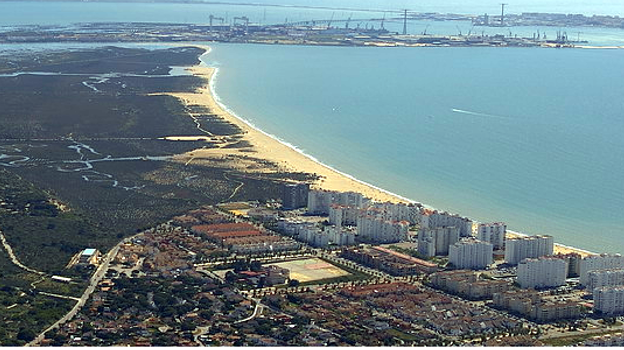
94, 281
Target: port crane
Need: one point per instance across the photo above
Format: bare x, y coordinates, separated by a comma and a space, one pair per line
244, 20
213, 18
331, 20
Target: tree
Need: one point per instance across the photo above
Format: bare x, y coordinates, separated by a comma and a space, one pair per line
293, 283
26, 334
230, 276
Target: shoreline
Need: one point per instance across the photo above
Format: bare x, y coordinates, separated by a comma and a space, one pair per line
272, 148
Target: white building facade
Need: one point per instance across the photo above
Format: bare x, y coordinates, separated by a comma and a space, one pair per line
492, 233
472, 254
377, 230
436, 241
605, 278
435, 219
520, 248
609, 300
599, 262
541, 272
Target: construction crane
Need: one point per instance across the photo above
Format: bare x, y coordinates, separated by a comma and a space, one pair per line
425, 31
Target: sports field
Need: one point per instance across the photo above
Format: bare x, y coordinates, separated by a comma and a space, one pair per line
311, 269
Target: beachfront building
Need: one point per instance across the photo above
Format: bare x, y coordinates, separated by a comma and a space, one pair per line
436, 241
493, 233
341, 236
294, 196
574, 263
472, 254
292, 227
317, 237
541, 272
433, 219
604, 278
599, 262
343, 215
314, 236
609, 300
397, 211
520, 248
319, 201
377, 230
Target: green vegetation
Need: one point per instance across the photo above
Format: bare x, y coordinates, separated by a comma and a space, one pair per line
22, 314
48, 215
574, 339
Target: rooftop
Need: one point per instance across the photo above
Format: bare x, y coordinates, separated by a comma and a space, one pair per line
89, 251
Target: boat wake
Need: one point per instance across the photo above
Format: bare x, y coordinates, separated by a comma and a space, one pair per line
477, 114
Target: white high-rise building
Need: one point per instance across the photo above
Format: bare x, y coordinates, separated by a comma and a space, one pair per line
398, 211
520, 248
541, 272
470, 253
599, 262
341, 215
319, 201
493, 233
605, 278
609, 300
378, 230
435, 219
341, 236
436, 241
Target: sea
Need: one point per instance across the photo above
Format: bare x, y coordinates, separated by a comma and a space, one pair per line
527, 136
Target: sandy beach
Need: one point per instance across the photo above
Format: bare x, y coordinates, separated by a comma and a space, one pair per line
287, 158
267, 148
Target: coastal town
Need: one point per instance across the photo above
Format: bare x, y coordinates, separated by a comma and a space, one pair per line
318, 268
266, 248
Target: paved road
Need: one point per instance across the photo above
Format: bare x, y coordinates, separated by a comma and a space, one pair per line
95, 280
256, 313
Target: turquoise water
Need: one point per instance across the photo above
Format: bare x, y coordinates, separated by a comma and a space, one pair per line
532, 137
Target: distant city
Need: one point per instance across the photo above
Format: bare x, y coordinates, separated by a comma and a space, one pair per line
329, 31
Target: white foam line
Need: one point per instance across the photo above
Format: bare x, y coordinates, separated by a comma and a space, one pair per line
477, 114
218, 100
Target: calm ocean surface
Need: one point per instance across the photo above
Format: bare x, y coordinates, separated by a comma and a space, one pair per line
532, 137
